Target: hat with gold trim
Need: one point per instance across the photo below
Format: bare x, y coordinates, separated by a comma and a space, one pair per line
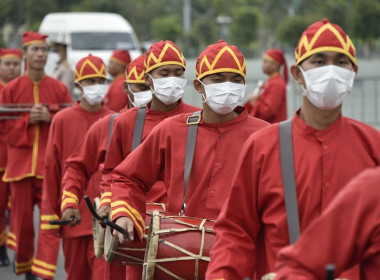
277, 55
218, 58
163, 53
323, 36
10, 53
31, 37
90, 67
135, 71
121, 56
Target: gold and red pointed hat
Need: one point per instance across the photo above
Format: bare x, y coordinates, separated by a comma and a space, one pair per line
31, 37
90, 67
278, 56
163, 53
135, 71
218, 58
10, 53
323, 36
121, 56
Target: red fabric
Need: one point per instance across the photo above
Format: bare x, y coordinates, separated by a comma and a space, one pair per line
114, 271
80, 259
60, 146
163, 53
271, 104
22, 138
31, 37
278, 56
347, 233
252, 226
218, 58
121, 56
161, 157
10, 52
4, 196
24, 195
116, 98
121, 143
85, 160
323, 36
89, 67
45, 261
135, 71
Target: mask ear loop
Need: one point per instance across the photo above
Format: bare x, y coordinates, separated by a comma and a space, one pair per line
202, 94
152, 90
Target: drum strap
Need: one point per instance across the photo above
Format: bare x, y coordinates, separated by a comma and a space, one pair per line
139, 126
288, 178
110, 126
192, 131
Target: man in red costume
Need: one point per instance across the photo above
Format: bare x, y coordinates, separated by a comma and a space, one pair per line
268, 102
67, 130
116, 98
10, 68
328, 150
90, 154
26, 140
346, 234
222, 128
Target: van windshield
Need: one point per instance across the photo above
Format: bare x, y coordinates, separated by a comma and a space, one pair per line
101, 41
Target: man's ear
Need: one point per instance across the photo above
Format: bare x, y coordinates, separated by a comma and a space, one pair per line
198, 86
297, 74
125, 87
148, 80
79, 87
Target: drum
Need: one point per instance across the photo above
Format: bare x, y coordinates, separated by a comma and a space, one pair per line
133, 252
97, 232
178, 247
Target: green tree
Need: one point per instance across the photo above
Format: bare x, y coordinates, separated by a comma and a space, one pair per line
167, 28
290, 30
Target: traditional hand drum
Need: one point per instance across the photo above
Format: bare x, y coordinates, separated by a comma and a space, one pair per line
133, 252
97, 232
178, 247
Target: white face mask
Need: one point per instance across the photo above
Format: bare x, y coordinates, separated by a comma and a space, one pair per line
168, 90
141, 97
328, 86
94, 94
223, 98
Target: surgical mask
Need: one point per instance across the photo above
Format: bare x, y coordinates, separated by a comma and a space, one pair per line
328, 86
168, 90
94, 94
223, 98
141, 98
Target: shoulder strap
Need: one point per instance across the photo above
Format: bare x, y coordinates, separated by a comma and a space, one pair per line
110, 126
288, 178
139, 126
192, 131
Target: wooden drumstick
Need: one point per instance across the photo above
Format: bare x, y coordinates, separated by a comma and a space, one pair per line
330, 271
61, 222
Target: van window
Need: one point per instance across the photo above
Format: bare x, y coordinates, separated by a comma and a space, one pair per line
101, 41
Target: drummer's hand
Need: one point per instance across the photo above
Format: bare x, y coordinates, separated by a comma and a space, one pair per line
127, 224
104, 211
72, 212
39, 113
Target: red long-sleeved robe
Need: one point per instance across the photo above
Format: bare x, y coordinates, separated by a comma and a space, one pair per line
271, 104
252, 226
4, 189
347, 233
121, 143
67, 131
161, 157
116, 98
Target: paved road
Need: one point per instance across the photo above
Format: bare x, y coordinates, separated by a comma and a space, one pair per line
6, 273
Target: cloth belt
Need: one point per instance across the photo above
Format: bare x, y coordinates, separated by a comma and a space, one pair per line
192, 131
288, 178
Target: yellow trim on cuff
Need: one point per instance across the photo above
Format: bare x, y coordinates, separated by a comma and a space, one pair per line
106, 194
45, 264
105, 200
68, 201
47, 226
125, 210
43, 271
130, 208
11, 243
49, 217
12, 235
70, 194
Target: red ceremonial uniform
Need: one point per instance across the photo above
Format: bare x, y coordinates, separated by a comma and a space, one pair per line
4, 188
347, 233
116, 97
121, 143
271, 103
80, 166
161, 157
67, 130
26, 145
252, 226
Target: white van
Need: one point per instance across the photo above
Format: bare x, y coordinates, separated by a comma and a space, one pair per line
89, 32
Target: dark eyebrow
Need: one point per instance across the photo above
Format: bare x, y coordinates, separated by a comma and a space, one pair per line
319, 55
